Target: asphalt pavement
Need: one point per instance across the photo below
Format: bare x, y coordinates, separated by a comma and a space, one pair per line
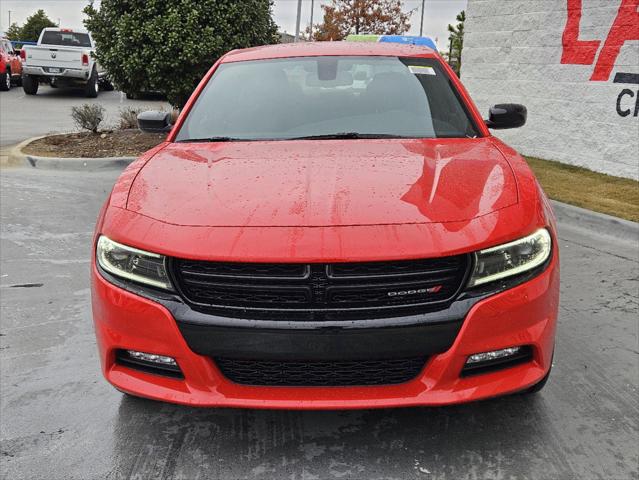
60, 420
24, 116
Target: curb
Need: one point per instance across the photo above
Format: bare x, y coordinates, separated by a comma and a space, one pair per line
17, 157
599, 222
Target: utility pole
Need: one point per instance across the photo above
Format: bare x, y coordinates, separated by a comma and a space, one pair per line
299, 19
311, 29
9, 17
421, 23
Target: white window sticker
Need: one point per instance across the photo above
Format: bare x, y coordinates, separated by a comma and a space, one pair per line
419, 70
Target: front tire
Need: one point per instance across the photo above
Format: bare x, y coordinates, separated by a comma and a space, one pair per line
5, 81
30, 84
91, 88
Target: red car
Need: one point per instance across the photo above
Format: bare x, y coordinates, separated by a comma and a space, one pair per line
10, 65
327, 226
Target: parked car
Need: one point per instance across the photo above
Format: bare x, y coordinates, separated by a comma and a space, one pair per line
63, 58
10, 65
296, 243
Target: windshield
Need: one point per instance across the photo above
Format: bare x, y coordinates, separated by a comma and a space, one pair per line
67, 39
328, 97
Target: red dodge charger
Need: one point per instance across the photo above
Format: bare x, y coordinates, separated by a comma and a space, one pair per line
327, 226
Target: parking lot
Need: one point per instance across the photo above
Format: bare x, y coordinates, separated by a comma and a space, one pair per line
24, 116
61, 420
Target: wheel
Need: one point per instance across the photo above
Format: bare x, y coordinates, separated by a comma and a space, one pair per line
91, 88
5, 80
132, 95
30, 84
106, 85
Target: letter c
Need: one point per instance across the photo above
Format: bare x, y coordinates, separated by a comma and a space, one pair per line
624, 113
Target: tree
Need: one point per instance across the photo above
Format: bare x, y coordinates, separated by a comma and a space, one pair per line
456, 42
14, 32
168, 45
31, 29
343, 17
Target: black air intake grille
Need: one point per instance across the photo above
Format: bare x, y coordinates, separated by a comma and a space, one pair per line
321, 374
320, 291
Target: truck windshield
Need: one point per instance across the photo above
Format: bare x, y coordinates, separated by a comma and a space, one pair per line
67, 39
328, 97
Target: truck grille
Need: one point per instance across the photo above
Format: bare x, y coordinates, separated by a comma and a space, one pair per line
320, 291
321, 374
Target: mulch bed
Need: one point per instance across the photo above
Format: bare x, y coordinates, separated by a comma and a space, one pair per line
116, 143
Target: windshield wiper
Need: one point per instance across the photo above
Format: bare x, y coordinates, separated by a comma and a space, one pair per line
346, 136
211, 139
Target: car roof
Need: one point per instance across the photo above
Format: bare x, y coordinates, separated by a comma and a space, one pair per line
315, 49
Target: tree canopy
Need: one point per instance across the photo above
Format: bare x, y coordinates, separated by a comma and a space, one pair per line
343, 17
456, 39
31, 29
167, 46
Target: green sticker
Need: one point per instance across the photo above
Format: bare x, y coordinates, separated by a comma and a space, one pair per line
418, 70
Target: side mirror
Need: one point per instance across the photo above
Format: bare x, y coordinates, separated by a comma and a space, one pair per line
154, 121
506, 115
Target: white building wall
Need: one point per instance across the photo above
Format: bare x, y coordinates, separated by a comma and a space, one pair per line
512, 54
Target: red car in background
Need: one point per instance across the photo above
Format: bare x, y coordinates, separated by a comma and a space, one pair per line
10, 65
327, 225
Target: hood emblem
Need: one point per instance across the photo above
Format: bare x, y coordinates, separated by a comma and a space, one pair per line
417, 291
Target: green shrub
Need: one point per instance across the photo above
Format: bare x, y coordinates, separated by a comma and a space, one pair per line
167, 46
88, 116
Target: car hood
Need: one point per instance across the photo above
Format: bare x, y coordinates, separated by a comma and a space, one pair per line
323, 183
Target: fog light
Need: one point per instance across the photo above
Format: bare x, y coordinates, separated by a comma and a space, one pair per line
496, 360
151, 357
494, 355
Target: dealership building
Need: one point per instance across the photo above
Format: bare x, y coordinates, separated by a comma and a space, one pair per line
573, 63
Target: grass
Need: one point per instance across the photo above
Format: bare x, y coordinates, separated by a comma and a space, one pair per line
584, 188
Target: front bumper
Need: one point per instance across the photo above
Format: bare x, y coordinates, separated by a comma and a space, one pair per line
523, 315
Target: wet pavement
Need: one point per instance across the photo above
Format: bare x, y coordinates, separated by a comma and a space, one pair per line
60, 420
23, 116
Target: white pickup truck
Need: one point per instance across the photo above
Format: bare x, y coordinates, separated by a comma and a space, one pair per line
62, 58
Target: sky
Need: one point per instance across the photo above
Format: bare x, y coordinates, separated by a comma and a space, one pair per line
438, 14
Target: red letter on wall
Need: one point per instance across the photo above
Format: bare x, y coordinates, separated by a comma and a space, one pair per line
626, 27
575, 51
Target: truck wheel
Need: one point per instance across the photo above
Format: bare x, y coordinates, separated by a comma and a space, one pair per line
91, 88
5, 80
30, 84
106, 85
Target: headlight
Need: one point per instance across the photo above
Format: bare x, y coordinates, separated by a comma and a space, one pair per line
511, 258
133, 264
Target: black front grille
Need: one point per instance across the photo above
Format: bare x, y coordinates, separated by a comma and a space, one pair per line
320, 291
321, 374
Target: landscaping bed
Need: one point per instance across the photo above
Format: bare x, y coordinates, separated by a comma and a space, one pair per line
587, 189
116, 143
